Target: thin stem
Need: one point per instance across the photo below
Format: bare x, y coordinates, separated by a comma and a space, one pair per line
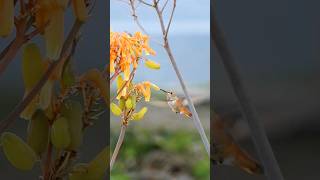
164, 6
22, 26
5, 50
118, 145
125, 84
113, 77
63, 164
136, 20
25, 102
47, 163
195, 116
258, 133
135, 17
145, 3
170, 19
11, 52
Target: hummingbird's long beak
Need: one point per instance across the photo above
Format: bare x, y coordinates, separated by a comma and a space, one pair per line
164, 91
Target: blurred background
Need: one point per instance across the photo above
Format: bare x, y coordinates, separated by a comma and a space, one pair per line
93, 39
160, 146
276, 45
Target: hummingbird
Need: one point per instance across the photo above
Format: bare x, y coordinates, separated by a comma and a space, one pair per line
225, 151
176, 104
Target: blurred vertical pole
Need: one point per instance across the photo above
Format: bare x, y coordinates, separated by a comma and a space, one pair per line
258, 134
108, 74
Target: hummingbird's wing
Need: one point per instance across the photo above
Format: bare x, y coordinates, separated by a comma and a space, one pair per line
227, 151
182, 108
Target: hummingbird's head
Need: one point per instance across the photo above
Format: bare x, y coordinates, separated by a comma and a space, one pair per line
170, 95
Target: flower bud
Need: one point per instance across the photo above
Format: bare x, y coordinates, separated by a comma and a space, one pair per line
32, 65
140, 114
155, 87
129, 103
60, 135
116, 110
122, 103
72, 111
38, 132
134, 101
80, 9
152, 65
19, 154
120, 84
54, 33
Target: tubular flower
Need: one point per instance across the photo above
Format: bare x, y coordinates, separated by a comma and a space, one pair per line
50, 18
54, 33
32, 70
80, 9
139, 90
126, 50
6, 17
144, 88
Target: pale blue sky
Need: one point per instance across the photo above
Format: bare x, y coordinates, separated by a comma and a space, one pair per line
189, 37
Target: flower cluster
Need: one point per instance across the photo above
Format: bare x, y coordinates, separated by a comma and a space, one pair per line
125, 52
48, 18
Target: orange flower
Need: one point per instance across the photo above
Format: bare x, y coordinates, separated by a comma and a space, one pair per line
126, 50
144, 89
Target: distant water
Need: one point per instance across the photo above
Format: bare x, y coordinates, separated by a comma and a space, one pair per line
189, 37
192, 54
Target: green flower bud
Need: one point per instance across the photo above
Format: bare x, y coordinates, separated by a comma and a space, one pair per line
60, 135
152, 65
38, 132
54, 34
72, 111
122, 103
115, 109
32, 65
140, 114
19, 154
129, 103
134, 101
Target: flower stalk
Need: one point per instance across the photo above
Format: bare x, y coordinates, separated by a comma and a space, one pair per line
165, 32
118, 145
258, 133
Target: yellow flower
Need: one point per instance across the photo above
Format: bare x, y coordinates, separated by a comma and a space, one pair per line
139, 115
80, 9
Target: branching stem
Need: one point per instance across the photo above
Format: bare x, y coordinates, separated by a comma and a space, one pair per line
258, 133
118, 145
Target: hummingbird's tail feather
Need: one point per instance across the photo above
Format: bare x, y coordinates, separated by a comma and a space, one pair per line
186, 112
228, 152
245, 162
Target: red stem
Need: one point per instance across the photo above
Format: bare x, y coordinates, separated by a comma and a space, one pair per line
47, 164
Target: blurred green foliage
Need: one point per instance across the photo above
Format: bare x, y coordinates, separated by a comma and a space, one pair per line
139, 143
